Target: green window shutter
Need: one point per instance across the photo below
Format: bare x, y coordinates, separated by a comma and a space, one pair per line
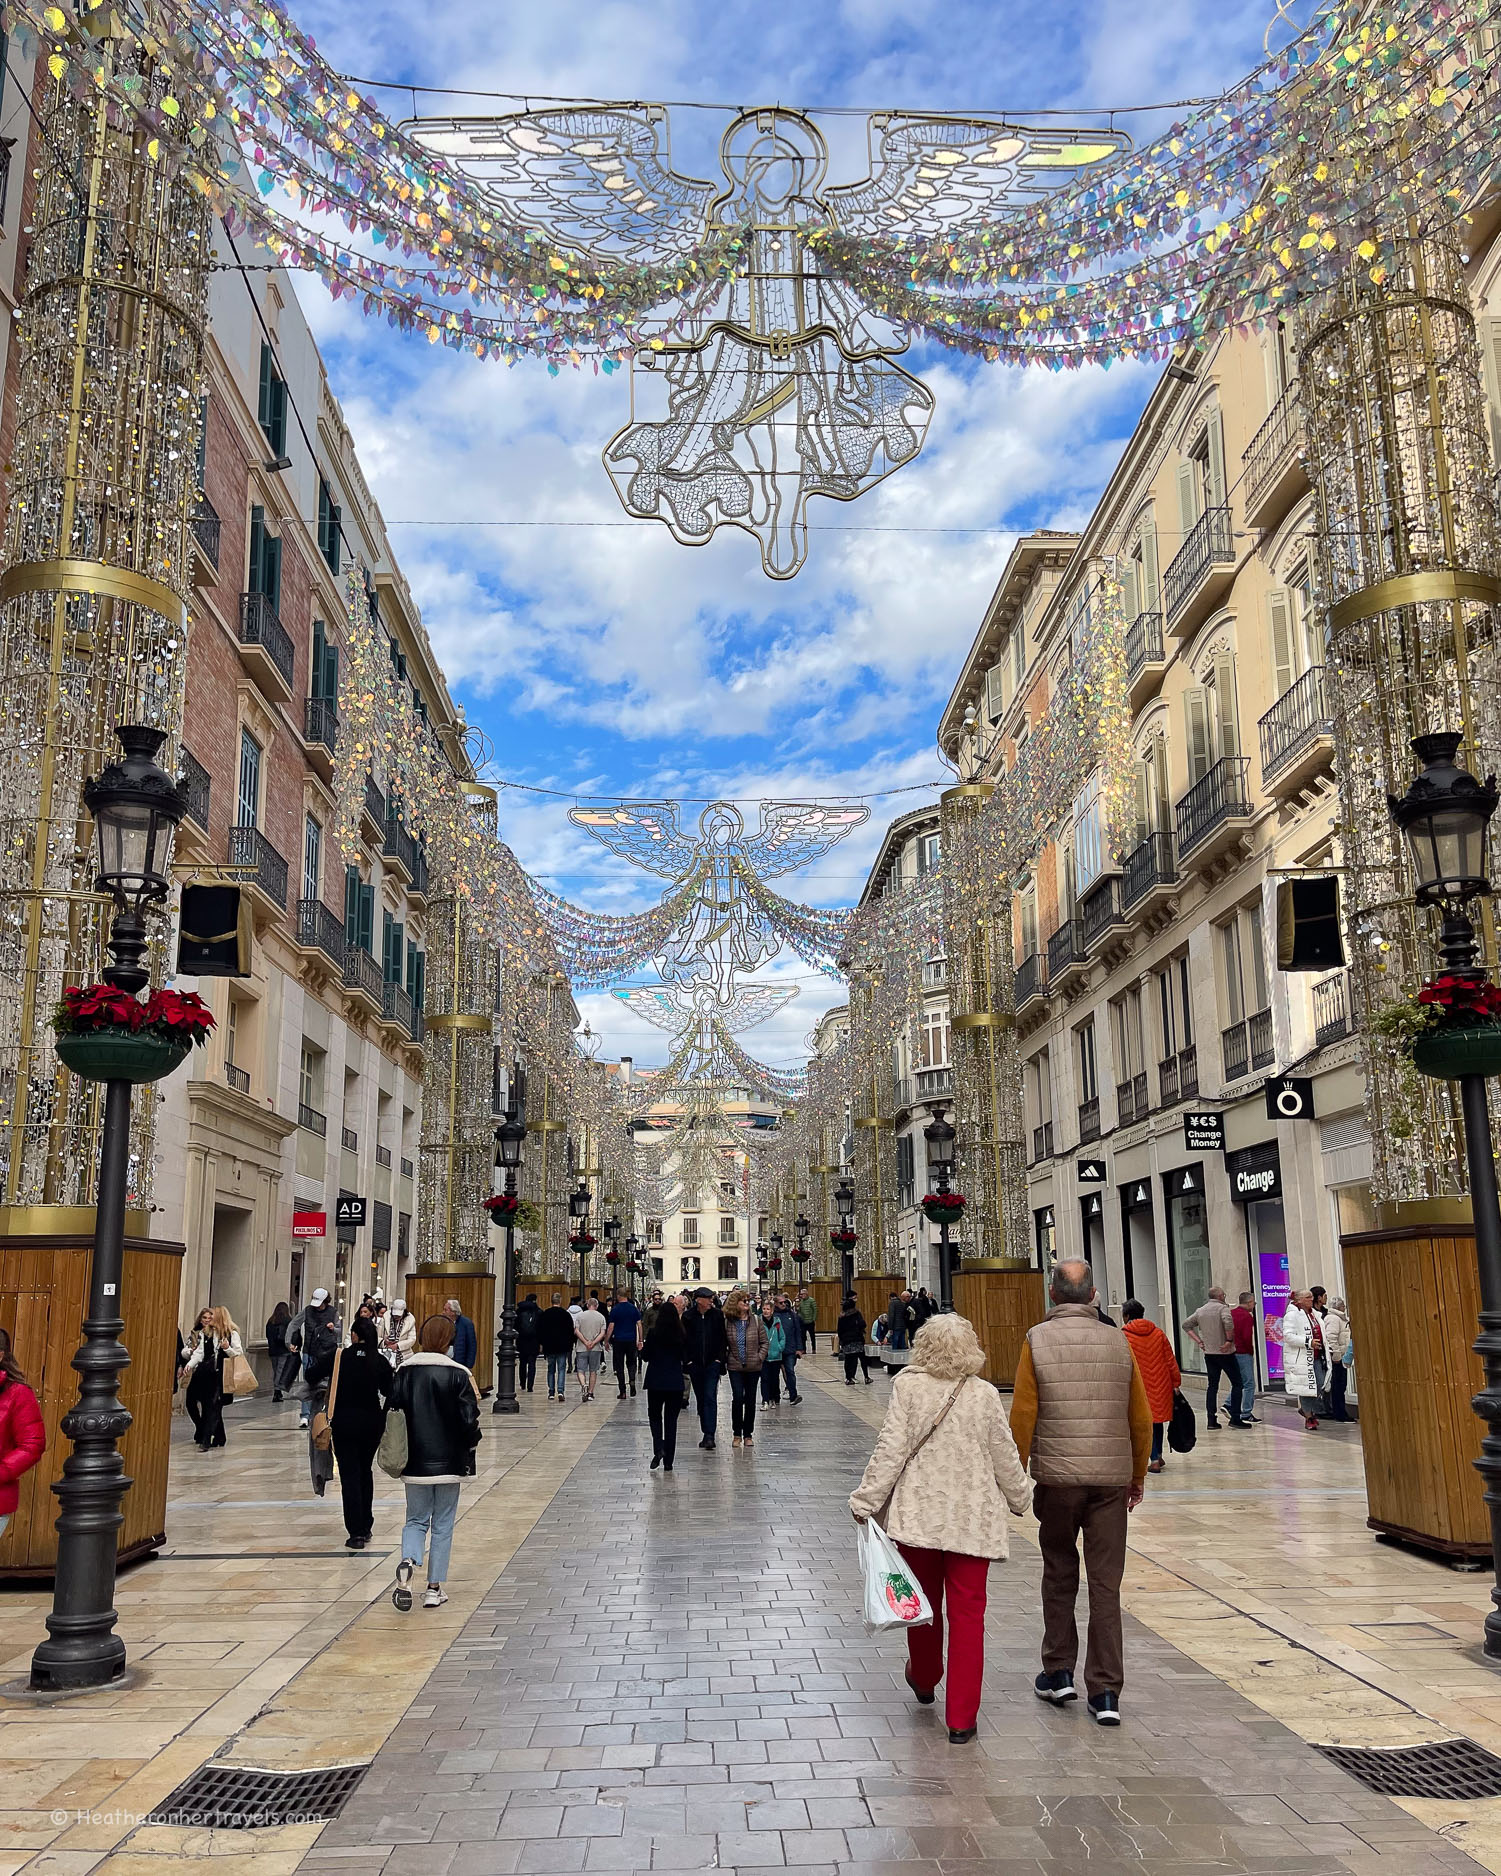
1196, 713
320, 652
419, 996
257, 550
398, 950
1151, 590
1226, 724
367, 920
1188, 496
351, 905
1130, 591
272, 567
331, 673
1279, 615
263, 398
1215, 434
387, 926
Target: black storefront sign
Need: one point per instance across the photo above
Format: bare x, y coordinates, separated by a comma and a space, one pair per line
1186, 1181
1092, 1207
1255, 1173
1091, 1172
1136, 1195
1204, 1133
349, 1212
1289, 1097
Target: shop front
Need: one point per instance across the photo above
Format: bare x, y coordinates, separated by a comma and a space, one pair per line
1189, 1266
1139, 1245
1045, 1233
1255, 1174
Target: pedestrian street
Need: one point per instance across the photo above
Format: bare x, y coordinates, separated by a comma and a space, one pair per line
645, 1672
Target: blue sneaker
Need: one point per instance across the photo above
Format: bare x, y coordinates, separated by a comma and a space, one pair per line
1105, 1708
1057, 1686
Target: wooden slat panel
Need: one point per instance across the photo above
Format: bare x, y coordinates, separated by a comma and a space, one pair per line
826, 1292
1002, 1305
426, 1294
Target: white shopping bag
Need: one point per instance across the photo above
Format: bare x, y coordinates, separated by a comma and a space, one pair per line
893, 1595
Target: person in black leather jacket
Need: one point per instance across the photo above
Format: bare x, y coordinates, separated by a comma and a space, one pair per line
528, 1339
438, 1398
708, 1356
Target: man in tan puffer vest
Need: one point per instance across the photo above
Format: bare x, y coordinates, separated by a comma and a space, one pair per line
1080, 1413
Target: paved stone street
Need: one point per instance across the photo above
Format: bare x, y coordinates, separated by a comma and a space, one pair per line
671, 1674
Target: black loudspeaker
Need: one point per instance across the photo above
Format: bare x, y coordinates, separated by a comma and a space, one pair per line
1308, 929
214, 933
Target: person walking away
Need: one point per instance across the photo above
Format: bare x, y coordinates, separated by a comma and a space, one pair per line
1158, 1367
749, 1336
438, 1396
898, 1337
465, 1346
528, 1341
943, 1473
1243, 1316
849, 1339
792, 1345
358, 1392
708, 1357
398, 1333
771, 1368
589, 1328
623, 1339
663, 1352
1213, 1328
311, 1335
807, 1315
215, 1341
283, 1365
1079, 1414
23, 1433
1319, 1310
556, 1337
925, 1306
1339, 1352
1302, 1336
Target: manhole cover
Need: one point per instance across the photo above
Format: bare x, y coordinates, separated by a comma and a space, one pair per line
242, 1797
1450, 1768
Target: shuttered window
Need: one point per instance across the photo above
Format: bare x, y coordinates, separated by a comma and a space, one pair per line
271, 407
248, 805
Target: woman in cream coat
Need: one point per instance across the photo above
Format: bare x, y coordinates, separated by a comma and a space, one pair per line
947, 1463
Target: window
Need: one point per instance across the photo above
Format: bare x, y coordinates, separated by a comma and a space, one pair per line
392, 947
1126, 1017
265, 561
1213, 729
1201, 475
654, 1233
329, 516
417, 977
1174, 1008
1295, 640
403, 1234
933, 1039
310, 1077
1139, 588
359, 912
689, 1234
1089, 834
729, 1269
658, 1268
1243, 974
1018, 648
1154, 806
248, 810
1089, 1079
271, 409
323, 665
688, 1269
1028, 919
726, 1230
906, 1170
927, 855
232, 1032
312, 858
1039, 1088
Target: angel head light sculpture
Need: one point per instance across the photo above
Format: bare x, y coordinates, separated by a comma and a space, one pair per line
780, 385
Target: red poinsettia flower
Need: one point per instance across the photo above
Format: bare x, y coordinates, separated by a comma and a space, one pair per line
1461, 1002
174, 1015
955, 1199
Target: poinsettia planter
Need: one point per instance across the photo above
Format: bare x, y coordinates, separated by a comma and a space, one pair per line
121, 1054
942, 1214
1447, 1054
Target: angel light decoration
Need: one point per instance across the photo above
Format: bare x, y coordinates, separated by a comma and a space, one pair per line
782, 385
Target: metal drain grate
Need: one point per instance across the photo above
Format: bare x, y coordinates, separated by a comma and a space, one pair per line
242, 1797
1449, 1768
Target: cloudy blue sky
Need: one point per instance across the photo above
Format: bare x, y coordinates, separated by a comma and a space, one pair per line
607, 659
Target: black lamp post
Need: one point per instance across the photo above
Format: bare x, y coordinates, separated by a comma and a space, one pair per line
612, 1243
136, 809
1444, 815
939, 1136
844, 1204
633, 1263
579, 1202
774, 1263
510, 1139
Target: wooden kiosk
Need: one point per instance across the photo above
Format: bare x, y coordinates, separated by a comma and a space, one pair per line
429, 1287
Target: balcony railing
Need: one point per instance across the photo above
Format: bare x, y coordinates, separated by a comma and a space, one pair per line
934, 1083
400, 847
1131, 1102
1210, 543
1065, 949
194, 785
1299, 717
349, 1140
259, 625
375, 802
419, 878
1143, 644
320, 722
259, 863
318, 929
383, 1156
311, 1119
1148, 866
1263, 1046
1222, 795
1267, 449
206, 527
1178, 1076
396, 1006
407, 1169
362, 972
1028, 979
238, 1078
935, 973
1089, 1120
1042, 1141
1099, 911
1331, 1009
1247, 1045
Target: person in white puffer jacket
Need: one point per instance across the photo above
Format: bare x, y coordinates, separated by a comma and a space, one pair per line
1302, 1331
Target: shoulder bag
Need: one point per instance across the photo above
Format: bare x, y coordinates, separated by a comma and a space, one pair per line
239, 1377
884, 1512
391, 1454
322, 1427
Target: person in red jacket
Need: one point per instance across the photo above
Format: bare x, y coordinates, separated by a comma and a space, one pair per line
23, 1438
1158, 1367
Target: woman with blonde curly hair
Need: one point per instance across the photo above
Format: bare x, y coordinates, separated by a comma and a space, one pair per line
943, 1472
215, 1340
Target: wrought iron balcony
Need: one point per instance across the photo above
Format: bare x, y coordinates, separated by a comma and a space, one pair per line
1247, 1045
206, 527
1066, 953
1178, 1077
1297, 723
262, 630
1131, 1101
1263, 1045
1331, 1009
1272, 468
238, 1078
400, 848
933, 1084
349, 1140
258, 863
1100, 911
318, 929
362, 974
320, 722
1148, 867
396, 1006
1199, 570
1089, 1120
1223, 796
311, 1119
1042, 1142
935, 973
375, 803
418, 887
1029, 980
194, 784
1144, 655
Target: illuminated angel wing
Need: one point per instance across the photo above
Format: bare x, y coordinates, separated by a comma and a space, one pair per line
667, 1008
598, 181
794, 832
930, 174
647, 833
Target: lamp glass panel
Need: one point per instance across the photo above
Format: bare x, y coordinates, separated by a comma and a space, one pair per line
1448, 847
127, 832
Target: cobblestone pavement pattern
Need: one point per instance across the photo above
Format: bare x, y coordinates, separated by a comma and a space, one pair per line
671, 1674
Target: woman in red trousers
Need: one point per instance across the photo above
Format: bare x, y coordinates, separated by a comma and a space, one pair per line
943, 1472
23, 1438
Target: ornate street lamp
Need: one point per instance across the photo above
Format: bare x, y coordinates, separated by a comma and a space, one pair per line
843, 1239
1444, 815
510, 1139
634, 1263
612, 1248
939, 1136
579, 1201
136, 808
774, 1262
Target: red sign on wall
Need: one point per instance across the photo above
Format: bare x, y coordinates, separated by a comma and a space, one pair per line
310, 1224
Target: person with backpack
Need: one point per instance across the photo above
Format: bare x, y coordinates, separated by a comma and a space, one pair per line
440, 1404
23, 1433
1158, 1367
528, 1341
311, 1335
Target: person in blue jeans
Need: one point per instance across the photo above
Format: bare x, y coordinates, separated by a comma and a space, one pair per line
555, 1338
437, 1396
708, 1357
792, 1344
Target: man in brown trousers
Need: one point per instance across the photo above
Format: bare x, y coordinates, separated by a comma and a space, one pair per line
1080, 1414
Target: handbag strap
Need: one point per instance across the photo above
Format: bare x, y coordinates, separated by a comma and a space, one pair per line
333, 1384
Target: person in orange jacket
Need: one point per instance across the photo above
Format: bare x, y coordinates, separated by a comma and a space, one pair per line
1158, 1367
